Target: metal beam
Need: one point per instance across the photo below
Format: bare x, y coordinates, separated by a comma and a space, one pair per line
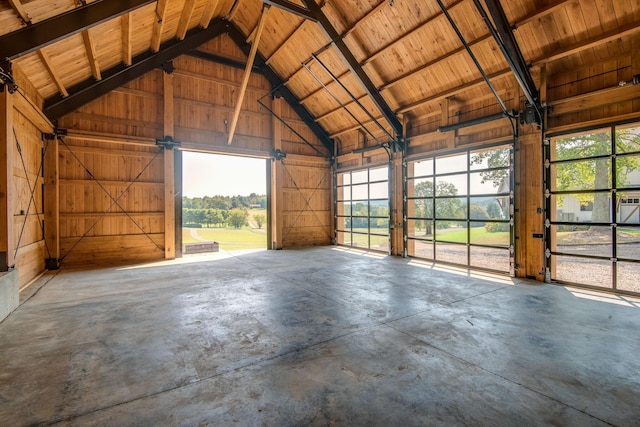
43, 33
280, 89
85, 92
355, 68
509, 46
219, 59
292, 8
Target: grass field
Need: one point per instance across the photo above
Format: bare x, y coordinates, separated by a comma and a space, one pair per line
478, 235
229, 238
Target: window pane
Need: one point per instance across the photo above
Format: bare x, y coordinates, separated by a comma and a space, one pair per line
379, 190
379, 174
627, 139
420, 187
380, 243
344, 223
422, 208
360, 209
628, 171
360, 192
358, 177
379, 208
489, 207
490, 182
421, 249
490, 233
344, 208
420, 228
360, 240
592, 272
586, 207
420, 168
491, 258
594, 174
344, 238
628, 273
380, 226
628, 242
583, 240
491, 158
453, 185
581, 146
457, 163
451, 231
456, 254
451, 208
343, 178
344, 193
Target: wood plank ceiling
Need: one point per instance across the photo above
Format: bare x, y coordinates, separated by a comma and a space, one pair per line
406, 48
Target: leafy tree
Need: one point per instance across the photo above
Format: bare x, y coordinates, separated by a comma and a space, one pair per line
449, 208
477, 212
237, 218
260, 219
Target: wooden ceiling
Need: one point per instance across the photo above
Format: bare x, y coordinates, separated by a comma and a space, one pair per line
407, 49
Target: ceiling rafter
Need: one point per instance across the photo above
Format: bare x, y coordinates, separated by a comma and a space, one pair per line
185, 18
208, 13
43, 33
286, 39
46, 61
356, 69
292, 8
127, 28
158, 27
20, 10
91, 54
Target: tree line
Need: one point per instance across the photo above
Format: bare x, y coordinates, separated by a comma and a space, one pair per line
222, 211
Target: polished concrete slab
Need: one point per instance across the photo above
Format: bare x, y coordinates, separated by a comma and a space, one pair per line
317, 336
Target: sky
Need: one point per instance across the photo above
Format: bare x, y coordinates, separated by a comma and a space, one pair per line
214, 174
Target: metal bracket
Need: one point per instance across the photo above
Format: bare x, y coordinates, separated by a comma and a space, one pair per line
52, 264
277, 154
56, 132
168, 143
6, 76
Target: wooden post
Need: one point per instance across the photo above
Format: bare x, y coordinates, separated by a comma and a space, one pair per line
7, 147
247, 73
52, 202
277, 221
169, 165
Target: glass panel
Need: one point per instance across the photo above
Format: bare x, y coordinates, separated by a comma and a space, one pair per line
628, 273
627, 139
585, 207
628, 242
360, 240
420, 249
361, 209
628, 171
379, 190
422, 208
344, 223
451, 231
420, 168
493, 259
490, 182
380, 243
344, 238
453, 185
380, 226
489, 207
421, 187
379, 174
581, 146
492, 158
456, 254
453, 208
457, 163
344, 208
592, 174
420, 228
583, 240
343, 178
344, 193
588, 271
360, 192
358, 177
490, 233
379, 208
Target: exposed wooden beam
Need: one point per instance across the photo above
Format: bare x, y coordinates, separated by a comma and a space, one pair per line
539, 12
127, 54
169, 166
7, 186
158, 27
207, 15
281, 45
292, 8
595, 98
185, 18
247, 73
43, 33
46, 61
19, 9
91, 54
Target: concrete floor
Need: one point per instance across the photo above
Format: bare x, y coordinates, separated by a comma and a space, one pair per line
318, 336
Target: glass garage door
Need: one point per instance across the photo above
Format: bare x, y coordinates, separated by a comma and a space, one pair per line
459, 208
593, 213
362, 208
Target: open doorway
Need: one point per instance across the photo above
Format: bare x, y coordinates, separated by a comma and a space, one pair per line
224, 203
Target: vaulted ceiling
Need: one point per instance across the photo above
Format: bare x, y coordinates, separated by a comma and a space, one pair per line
348, 63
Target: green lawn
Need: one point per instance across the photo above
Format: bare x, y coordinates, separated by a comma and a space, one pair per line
479, 235
229, 238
